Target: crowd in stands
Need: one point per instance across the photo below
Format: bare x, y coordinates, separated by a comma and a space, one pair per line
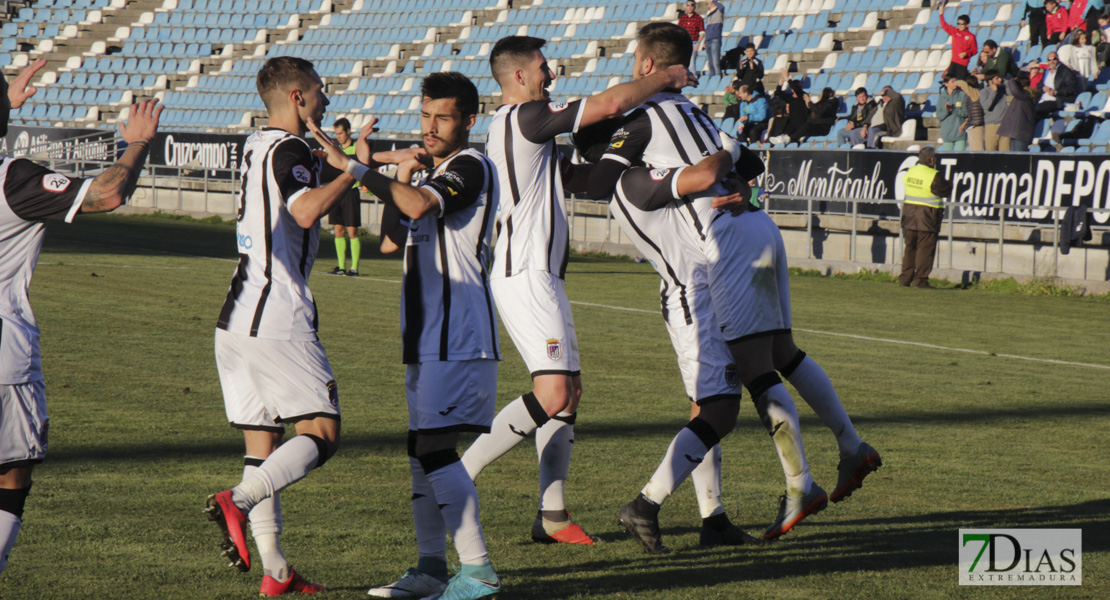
985, 100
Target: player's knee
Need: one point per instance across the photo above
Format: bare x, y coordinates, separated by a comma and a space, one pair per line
758, 390
554, 394
720, 413
437, 459
788, 367
325, 448
13, 500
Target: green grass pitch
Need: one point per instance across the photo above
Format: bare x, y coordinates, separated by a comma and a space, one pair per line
973, 434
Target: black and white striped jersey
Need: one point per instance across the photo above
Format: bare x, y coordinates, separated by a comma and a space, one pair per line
29, 194
269, 295
447, 310
667, 132
533, 234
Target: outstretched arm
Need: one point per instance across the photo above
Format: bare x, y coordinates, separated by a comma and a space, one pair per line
622, 98
115, 185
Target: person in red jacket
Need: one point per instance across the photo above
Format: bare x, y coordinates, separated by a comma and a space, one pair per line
1056, 21
1076, 20
964, 44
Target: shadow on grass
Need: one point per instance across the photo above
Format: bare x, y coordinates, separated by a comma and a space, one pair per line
873, 545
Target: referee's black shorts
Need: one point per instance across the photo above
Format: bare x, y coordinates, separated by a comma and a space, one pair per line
346, 211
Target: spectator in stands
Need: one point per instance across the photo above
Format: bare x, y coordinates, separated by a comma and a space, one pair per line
822, 116
993, 100
791, 92
714, 28
1082, 58
964, 44
1016, 132
1056, 21
1102, 40
776, 127
732, 103
750, 72
952, 112
1035, 16
692, 22
1076, 21
975, 117
853, 132
887, 120
753, 115
1059, 86
1095, 9
993, 58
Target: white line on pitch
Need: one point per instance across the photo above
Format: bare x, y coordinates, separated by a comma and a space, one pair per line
814, 331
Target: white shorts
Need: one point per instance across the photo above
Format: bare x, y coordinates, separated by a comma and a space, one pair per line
748, 276
23, 423
533, 306
457, 395
704, 360
270, 382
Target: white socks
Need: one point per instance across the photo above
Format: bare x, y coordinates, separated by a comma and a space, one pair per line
554, 443
707, 483
512, 425
9, 530
817, 390
686, 452
286, 466
458, 504
266, 523
780, 417
431, 533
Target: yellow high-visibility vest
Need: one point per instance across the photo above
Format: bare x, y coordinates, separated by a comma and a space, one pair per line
919, 186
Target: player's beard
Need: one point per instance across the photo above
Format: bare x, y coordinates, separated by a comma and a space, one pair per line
446, 146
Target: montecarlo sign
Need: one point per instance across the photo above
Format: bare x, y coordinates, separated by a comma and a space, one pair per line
1033, 182
63, 145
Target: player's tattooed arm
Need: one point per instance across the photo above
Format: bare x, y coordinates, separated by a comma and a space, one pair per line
115, 185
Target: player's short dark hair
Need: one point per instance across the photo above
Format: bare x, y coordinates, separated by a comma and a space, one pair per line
512, 49
452, 85
342, 122
281, 73
990, 44
926, 155
861, 90
666, 43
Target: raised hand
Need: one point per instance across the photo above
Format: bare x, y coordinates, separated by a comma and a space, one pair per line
335, 155
142, 122
362, 146
681, 77
20, 89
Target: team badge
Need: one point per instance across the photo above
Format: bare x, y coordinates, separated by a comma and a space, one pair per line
301, 174
333, 393
554, 350
557, 106
55, 182
731, 377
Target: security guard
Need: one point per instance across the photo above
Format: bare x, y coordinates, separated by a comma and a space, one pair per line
922, 213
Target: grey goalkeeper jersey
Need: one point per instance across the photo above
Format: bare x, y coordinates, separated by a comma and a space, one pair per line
29, 195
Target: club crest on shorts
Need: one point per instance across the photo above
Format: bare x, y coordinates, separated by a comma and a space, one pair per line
554, 350
333, 393
731, 378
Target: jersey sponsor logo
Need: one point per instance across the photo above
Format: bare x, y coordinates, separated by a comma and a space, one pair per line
453, 182
554, 349
245, 241
55, 182
557, 106
659, 174
301, 174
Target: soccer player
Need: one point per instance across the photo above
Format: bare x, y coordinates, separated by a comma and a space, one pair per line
345, 216
666, 133
530, 260
448, 330
30, 196
273, 369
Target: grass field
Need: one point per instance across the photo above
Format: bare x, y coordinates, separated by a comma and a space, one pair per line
977, 426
